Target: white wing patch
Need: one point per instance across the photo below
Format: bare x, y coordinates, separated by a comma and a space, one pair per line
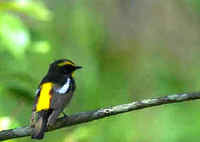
64, 89
37, 91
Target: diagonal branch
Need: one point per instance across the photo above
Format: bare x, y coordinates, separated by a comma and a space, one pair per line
83, 117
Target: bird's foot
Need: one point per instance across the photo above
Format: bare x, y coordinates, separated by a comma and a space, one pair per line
64, 114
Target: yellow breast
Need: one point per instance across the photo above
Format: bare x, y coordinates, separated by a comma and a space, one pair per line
44, 99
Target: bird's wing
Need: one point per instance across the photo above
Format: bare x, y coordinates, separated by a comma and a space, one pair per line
33, 117
42, 100
37, 93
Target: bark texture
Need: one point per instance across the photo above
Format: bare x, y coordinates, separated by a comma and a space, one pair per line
83, 117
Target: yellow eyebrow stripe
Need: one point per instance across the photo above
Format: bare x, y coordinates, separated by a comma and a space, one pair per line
44, 99
66, 63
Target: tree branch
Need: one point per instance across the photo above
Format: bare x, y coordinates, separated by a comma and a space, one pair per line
101, 113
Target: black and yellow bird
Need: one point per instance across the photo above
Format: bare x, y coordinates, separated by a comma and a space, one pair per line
53, 94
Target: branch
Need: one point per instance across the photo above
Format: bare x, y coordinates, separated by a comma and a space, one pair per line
83, 117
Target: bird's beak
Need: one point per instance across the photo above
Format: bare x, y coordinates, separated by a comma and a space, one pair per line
78, 67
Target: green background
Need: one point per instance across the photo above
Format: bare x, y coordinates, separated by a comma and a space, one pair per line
130, 50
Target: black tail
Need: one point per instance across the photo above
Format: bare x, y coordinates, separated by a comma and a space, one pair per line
40, 125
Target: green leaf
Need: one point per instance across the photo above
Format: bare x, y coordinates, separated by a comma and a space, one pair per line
14, 35
34, 9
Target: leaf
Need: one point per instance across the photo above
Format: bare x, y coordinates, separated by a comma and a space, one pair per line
34, 8
14, 35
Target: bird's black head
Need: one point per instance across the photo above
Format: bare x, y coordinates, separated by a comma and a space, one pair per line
63, 66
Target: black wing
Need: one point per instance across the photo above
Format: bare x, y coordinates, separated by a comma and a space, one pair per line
33, 118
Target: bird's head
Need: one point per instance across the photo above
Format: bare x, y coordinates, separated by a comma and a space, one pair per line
63, 66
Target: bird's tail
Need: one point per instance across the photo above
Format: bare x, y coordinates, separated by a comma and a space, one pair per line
40, 126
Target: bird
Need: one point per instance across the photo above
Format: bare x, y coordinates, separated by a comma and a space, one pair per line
53, 95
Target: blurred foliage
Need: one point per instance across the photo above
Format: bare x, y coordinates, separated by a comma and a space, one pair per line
130, 50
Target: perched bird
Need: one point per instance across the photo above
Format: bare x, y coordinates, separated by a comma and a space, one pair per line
53, 94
